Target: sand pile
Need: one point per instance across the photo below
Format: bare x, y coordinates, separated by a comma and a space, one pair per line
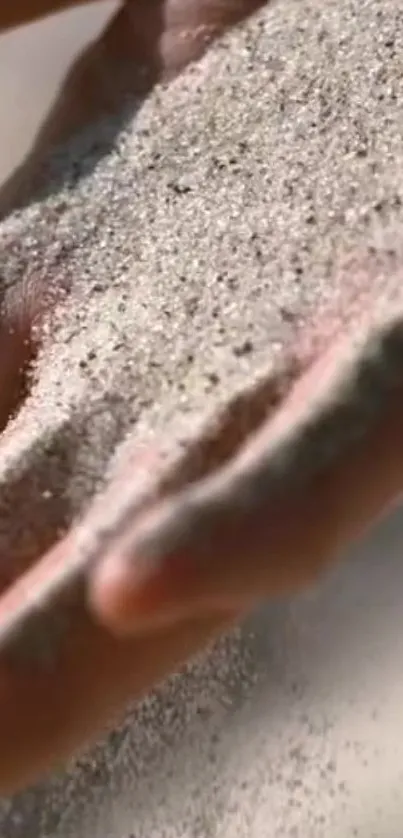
195, 251
197, 245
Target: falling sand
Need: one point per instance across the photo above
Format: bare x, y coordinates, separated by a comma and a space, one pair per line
185, 251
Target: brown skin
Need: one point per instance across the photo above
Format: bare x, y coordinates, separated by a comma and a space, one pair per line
191, 598
301, 550
22, 312
93, 678
156, 627
177, 12
26, 11
269, 551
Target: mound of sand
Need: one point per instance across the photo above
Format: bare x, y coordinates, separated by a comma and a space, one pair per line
196, 251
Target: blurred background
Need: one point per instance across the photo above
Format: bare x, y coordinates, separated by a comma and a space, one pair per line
33, 62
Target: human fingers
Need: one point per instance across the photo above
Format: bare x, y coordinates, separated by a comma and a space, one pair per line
242, 542
64, 677
26, 11
23, 308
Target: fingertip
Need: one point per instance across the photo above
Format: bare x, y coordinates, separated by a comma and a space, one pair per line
128, 601
115, 596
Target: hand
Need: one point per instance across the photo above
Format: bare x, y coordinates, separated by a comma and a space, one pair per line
225, 550
26, 11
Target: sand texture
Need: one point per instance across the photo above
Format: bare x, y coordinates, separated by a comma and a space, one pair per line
197, 250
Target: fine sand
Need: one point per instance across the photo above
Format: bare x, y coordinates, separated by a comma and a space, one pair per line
192, 250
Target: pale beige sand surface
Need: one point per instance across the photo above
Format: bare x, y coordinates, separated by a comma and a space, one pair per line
192, 248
